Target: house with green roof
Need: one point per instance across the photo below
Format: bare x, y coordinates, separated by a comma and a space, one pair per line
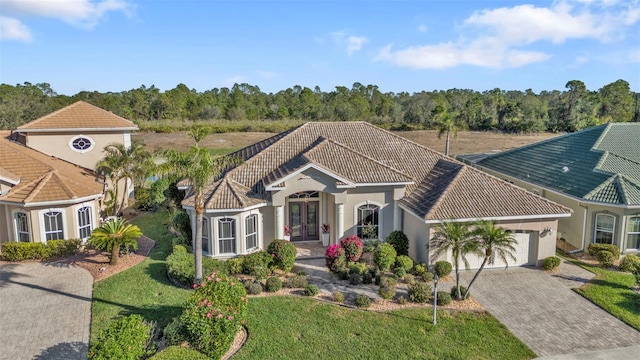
595, 172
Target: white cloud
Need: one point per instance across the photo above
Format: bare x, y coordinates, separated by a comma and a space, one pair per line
422, 28
351, 43
85, 14
498, 38
14, 29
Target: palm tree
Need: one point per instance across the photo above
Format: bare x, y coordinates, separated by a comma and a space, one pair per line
114, 233
492, 242
198, 168
454, 236
447, 124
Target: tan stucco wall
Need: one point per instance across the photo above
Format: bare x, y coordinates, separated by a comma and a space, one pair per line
265, 227
418, 234
57, 144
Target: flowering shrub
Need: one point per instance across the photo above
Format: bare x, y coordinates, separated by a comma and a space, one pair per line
214, 313
287, 230
335, 257
283, 253
352, 247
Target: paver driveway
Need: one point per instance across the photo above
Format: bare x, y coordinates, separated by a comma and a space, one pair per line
45, 311
549, 317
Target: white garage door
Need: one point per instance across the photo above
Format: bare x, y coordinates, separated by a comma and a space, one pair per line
525, 252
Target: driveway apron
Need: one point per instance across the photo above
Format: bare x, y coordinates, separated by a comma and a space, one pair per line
549, 317
45, 311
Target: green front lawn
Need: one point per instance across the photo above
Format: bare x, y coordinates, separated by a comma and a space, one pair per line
612, 291
142, 289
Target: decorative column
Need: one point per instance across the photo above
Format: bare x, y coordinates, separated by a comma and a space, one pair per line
279, 213
339, 221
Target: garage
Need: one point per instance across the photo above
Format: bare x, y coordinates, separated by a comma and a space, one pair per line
525, 253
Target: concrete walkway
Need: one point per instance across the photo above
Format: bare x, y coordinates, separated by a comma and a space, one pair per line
628, 353
45, 311
549, 317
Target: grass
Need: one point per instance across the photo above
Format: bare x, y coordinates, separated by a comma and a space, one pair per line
142, 289
223, 151
612, 291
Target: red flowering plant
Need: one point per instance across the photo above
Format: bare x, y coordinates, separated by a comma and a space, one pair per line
352, 247
287, 230
326, 228
335, 257
214, 313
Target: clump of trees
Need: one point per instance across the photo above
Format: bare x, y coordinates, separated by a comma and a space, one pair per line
573, 109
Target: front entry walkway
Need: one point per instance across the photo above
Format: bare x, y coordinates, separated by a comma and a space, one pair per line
45, 311
543, 311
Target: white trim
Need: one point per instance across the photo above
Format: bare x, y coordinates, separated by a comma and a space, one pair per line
10, 181
595, 227
112, 129
81, 151
43, 235
373, 184
209, 232
502, 218
245, 250
627, 233
92, 218
14, 221
273, 186
213, 211
237, 235
54, 203
380, 217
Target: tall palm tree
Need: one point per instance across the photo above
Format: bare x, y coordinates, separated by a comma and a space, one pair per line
114, 233
198, 168
447, 123
454, 236
492, 242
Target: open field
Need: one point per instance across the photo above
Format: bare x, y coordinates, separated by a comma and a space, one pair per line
466, 143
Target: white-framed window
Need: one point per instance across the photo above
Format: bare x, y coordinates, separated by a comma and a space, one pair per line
81, 143
227, 235
53, 225
368, 221
205, 234
23, 232
633, 233
604, 229
251, 232
85, 222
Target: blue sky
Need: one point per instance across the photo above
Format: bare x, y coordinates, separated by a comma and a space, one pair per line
116, 45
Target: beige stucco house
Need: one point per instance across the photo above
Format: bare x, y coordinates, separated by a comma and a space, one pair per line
595, 172
48, 189
362, 180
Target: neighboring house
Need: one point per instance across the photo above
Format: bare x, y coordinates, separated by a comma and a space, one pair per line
48, 189
361, 180
595, 172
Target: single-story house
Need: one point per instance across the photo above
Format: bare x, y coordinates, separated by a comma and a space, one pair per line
361, 180
595, 172
48, 189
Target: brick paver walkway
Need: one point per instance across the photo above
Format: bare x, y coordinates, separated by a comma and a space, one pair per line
543, 311
45, 311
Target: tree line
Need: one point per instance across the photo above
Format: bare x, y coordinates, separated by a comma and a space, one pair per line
573, 109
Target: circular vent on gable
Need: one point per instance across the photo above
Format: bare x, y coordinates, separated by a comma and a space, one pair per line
81, 144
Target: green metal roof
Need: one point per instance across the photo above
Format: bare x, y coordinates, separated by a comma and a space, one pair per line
601, 163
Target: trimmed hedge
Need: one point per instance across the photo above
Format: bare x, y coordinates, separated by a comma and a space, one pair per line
605, 258
20, 251
442, 268
630, 263
130, 338
594, 249
283, 254
551, 263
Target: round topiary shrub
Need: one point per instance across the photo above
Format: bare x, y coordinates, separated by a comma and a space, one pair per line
605, 258
352, 246
355, 279
427, 277
400, 243
367, 278
444, 298
442, 268
409, 279
404, 262
296, 282
630, 263
273, 284
214, 313
454, 292
384, 256
335, 258
420, 269
283, 254
551, 263
400, 273
253, 287
338, 296
387, 288
310, 290
362, 301
130, 338
420, 292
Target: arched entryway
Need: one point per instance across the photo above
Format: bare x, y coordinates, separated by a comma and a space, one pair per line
304, 216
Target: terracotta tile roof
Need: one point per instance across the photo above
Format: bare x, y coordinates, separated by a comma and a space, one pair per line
43, 178
79, 115
227, 194
358, 152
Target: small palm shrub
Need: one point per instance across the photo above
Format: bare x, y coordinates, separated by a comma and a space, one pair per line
130, 338
335, 258
594, 249
310, 290
630, 263
257, 264
273, 284
420, 292
387, 288
283, 254
352, 246
409, 279
296, 282
253, 287
605, 258
551, 263
444, 298
384, 256
404, 262
214, 313
362, 301
234, 265
454, 292
338, 296
174, 332
442, 268
420, 269
400, 243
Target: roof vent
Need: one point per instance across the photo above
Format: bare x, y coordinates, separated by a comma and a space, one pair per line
565, 169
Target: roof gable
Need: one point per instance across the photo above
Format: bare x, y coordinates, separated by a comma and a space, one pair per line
79, 115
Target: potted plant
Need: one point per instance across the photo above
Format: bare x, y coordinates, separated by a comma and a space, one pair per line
287, 232
325, 234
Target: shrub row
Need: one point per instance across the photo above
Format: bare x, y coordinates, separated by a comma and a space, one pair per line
594, 249
20, 251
